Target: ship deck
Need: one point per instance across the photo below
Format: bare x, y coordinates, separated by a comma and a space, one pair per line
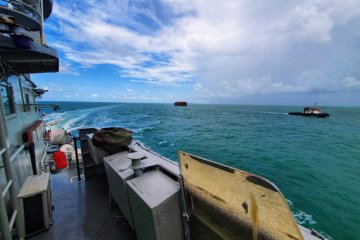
82, 210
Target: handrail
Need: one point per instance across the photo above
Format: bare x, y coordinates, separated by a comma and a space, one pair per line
1, 153
17, 152
20, 3
12, 219
6, 189
21, 7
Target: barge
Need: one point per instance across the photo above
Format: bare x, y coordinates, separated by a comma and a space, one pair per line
180, 104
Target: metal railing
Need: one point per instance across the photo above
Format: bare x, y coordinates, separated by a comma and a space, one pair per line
34, 11
28, 10
18, 150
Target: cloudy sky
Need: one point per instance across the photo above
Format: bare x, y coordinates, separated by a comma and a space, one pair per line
242, 51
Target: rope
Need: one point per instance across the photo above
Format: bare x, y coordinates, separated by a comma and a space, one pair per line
6, 70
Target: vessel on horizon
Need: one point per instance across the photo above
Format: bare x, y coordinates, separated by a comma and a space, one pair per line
181, 104
311, 112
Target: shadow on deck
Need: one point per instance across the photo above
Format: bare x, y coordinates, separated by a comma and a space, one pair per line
82, 211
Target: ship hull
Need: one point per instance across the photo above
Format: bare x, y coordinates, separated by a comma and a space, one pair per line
319, 115
180, 104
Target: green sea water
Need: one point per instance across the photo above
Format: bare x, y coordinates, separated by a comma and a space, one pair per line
315, 162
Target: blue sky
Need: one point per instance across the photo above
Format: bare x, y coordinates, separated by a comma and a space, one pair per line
244, 52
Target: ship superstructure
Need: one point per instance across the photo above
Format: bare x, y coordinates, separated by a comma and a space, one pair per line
23, 51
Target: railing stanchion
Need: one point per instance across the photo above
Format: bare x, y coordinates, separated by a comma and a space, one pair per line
77, 158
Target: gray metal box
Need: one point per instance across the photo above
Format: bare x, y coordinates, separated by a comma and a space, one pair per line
118, 171
155, 205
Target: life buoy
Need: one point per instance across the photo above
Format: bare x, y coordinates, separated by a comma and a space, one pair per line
60, 160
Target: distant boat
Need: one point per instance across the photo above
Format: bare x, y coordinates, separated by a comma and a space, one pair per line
180, 104
311, 112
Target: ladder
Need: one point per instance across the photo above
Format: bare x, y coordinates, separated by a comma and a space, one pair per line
7, 224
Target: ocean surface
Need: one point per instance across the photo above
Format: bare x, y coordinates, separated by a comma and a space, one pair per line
315, 162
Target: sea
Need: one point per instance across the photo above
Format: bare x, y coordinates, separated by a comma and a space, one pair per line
314, 162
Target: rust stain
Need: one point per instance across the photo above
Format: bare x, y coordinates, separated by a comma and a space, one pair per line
210, 194
254, 216
245, 206
291, 236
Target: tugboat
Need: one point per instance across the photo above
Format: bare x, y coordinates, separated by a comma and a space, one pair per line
311, 112
180, 104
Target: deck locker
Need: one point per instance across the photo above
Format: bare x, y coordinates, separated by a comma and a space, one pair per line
35, 203
155, 205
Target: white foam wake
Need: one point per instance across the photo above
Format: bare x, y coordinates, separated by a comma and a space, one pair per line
301, 217
274, 113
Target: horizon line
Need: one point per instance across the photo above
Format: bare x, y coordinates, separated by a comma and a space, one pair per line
198, 103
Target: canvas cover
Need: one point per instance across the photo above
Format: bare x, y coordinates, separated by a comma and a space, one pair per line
227, 203
113, 139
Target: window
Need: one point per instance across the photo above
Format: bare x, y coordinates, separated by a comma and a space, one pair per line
7, 99
26, 102
16, 92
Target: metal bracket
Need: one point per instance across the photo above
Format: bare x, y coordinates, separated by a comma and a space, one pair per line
185, 214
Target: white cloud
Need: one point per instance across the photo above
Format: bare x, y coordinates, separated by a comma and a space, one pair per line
243, 87
350, 82
66, 68
313, 22
224, 48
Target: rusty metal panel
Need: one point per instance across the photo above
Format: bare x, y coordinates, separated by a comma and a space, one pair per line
227, 203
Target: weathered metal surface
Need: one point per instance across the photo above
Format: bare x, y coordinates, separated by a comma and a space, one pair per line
227, 203
118, 172
34, 185
155, 206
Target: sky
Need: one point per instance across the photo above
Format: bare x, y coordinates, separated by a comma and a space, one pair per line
238, 52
